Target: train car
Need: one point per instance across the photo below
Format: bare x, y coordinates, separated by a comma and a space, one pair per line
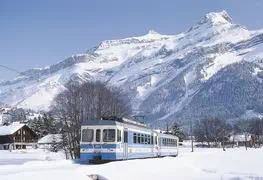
122, 139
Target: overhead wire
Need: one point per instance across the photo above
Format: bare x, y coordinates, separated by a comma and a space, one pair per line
10, 69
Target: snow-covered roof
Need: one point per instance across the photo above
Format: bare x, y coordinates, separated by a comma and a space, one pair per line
10, 129
239, 138
50, 138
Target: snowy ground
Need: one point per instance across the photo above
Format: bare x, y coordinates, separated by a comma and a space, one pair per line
203, 164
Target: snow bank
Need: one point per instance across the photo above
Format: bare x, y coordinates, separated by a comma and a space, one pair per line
202, 164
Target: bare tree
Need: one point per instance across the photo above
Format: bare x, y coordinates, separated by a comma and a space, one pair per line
256, 129
212, 131
242, 127
88, 101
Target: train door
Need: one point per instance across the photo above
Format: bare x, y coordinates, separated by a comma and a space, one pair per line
125, 144
155, 145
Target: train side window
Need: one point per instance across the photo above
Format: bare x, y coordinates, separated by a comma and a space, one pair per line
125, 136
98, 132
109, 135
142, 138
139, 138
87, 135
134, 138
145, 139
151, 139
118, 135
148, 139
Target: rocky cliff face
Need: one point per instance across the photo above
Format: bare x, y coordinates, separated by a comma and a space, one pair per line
215, 69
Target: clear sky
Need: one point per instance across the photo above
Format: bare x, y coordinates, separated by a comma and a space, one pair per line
37, 33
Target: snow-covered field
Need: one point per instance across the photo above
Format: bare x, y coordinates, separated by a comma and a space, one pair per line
202, 164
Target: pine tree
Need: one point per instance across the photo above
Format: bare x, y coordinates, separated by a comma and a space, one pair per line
178, 131
37, 126
43, 126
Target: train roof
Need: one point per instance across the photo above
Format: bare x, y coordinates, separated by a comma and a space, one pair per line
113, 121
167, 135
119, 121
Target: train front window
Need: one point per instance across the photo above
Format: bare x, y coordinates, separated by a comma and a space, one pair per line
109, 135
87, 135
98, 135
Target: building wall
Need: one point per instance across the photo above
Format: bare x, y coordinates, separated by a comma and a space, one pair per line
23, 135
19, 140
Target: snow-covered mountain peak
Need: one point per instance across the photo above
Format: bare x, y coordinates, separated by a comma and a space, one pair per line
147, 38
152, 32
217, 18
214, 20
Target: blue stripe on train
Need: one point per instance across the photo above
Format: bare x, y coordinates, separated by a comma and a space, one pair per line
99, 146
119, 156
104, 156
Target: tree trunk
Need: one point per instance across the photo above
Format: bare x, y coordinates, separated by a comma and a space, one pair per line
192, 143
246, 141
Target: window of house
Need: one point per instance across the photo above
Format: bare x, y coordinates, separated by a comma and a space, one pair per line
98, 132
109, 135
87, 135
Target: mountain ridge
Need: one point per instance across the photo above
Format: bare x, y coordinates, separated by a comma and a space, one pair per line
162, 74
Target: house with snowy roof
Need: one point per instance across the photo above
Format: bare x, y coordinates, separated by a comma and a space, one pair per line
47, 141
16, 136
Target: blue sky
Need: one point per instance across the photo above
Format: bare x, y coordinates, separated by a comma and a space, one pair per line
35, 33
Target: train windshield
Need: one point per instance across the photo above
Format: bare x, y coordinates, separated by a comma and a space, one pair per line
109, 135
87, 135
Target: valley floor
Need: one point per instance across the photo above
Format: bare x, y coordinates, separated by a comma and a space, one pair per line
204, 163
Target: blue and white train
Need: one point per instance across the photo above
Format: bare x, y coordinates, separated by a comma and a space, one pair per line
123, 139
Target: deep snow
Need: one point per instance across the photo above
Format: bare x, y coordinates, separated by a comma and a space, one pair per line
202, 164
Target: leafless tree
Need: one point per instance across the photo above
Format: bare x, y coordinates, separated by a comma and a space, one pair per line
212, 131
242, 127
256, 129
88, 101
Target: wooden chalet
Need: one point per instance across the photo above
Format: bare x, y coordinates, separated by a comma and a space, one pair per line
16, 136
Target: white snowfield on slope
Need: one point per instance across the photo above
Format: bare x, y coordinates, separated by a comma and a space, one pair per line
203, 164
137, 64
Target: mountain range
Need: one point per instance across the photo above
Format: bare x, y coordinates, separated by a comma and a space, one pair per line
214, 69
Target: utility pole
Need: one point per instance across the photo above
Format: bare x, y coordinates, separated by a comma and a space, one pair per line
191, 135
